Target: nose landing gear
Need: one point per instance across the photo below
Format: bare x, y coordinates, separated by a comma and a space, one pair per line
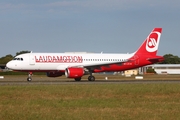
29, 79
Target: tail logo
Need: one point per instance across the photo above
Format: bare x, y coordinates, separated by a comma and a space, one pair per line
153, 42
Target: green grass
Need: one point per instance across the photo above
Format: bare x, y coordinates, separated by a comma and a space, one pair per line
90, 102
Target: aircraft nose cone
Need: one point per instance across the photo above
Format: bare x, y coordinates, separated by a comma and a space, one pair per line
9, 65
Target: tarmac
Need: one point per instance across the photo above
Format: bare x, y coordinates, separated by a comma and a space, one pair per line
43, 80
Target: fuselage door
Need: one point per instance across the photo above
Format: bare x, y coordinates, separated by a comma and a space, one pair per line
31, 59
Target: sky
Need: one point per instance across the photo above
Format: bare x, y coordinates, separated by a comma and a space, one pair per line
108, 26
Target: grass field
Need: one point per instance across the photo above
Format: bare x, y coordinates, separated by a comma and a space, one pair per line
90, 102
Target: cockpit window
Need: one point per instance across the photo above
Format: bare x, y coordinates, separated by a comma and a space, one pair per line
19, 59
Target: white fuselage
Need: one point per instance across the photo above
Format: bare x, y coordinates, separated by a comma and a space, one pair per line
61, 61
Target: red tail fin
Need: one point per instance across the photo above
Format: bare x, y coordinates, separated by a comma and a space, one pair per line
150, 45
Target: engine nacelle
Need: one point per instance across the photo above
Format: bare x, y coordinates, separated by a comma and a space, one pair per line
54, 74
74, 72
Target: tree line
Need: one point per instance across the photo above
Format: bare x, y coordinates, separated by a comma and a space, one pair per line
168, 58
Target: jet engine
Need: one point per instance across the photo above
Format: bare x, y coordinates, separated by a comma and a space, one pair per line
54, 74
74, 72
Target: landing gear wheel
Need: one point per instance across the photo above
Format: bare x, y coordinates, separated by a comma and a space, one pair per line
77, 79
29, 79
91, 78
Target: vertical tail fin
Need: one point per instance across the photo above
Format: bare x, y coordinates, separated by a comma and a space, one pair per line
150, 45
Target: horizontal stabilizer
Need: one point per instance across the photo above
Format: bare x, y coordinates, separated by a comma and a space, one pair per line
156, 59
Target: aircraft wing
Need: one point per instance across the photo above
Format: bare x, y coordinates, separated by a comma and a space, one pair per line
98, 66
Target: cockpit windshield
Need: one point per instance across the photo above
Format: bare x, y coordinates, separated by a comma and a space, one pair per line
19, 59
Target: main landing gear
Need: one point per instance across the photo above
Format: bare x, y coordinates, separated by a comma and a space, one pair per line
91, 77
29, 79
77, 79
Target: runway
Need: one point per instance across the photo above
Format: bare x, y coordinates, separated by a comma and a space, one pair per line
43, 80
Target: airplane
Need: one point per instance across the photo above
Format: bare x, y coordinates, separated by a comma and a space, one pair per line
75, 65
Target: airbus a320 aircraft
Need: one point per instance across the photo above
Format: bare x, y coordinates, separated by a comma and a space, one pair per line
75, 65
